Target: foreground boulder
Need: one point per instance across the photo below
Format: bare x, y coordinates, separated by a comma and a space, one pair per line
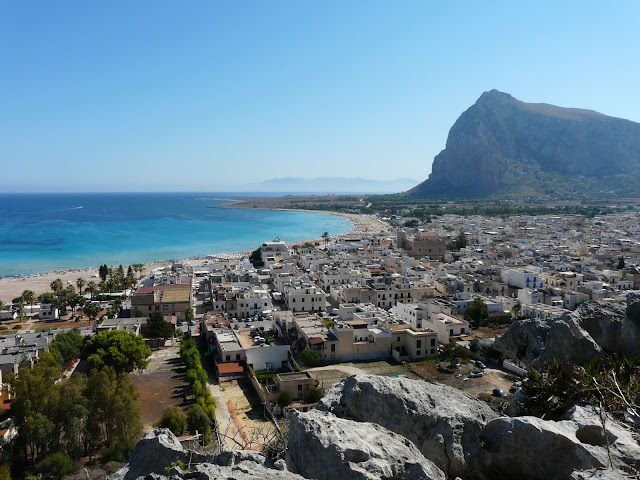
155, 453
444, 423
530, 448
152, 454
323, 446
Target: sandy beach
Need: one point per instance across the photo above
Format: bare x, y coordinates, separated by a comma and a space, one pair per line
12, 287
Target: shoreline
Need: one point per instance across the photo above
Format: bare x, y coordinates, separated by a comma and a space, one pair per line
12, 287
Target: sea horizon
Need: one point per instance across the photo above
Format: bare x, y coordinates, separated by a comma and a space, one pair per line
46, 232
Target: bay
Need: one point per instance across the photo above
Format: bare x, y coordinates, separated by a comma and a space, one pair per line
46, 232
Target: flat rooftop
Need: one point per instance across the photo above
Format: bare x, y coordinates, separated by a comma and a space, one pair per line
294, 376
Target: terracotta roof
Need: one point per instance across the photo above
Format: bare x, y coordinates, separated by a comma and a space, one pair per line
316, 340
230, 367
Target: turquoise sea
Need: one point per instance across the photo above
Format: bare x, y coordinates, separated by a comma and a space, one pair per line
46, 232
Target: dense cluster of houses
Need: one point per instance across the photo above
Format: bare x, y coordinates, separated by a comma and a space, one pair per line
402, 293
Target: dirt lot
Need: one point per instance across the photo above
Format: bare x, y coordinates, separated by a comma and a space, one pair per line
478, 387
334, 373
161, 385
250, 426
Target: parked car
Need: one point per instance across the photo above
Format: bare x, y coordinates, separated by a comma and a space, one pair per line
497, 392
481, 365
476, 374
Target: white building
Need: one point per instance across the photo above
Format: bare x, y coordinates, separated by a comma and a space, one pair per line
305, 297
48, 311
526, 277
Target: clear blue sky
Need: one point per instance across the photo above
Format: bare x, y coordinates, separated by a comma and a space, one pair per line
203, 95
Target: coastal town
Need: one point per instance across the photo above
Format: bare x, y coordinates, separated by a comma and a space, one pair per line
279, 326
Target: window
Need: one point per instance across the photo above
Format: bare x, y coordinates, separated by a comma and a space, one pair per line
398, 339
228, 358
238, 356
418, 344
433, 343
333, 347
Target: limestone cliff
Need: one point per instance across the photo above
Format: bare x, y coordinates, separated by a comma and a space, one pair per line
503, 147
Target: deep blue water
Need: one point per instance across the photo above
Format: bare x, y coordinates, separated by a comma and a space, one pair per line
46, 232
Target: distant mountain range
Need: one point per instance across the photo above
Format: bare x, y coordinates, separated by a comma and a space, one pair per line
333, 185
502, 147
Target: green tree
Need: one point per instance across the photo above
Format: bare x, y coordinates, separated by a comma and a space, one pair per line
477, 312
158, 327
46, 297
453, 350
310, 357
123, 351
29, 297
103, 272
115, 414
285, 398
91, 310
74, 300
325, 237
56, 285
80, 283
198, 421
313, 395
256, 258
174, 420
621, 264
56, 466
517, 308
189, 317
18, 303
92, 287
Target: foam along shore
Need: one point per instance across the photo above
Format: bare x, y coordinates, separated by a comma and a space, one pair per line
12, 287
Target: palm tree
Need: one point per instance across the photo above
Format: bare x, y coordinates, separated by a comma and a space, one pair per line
29, 297
91, 310
325, 237
56, 285
18, 302
80, 283
92, 287
74, 300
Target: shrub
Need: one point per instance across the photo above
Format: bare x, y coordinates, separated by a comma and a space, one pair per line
285, 398
174, 420
198, 420
453, 350
56, 466
118, 452
310, 357
313, 395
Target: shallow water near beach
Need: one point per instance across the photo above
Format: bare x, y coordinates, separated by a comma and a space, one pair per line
47, 232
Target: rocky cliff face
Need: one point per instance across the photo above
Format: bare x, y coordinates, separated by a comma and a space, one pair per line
504, 147
444, 423
421, 431
594, 329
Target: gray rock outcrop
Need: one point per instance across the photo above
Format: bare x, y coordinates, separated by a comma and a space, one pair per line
594, 329
529, 448
444, 423
157, 450
325, 447
153, 453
